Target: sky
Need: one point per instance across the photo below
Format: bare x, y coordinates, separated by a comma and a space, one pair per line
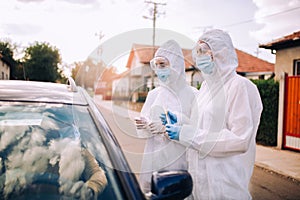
78, 27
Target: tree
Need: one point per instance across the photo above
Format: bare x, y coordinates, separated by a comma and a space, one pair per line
87, 73
7, 51
75, 69
41, 63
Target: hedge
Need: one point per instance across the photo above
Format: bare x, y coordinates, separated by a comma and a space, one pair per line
267, 130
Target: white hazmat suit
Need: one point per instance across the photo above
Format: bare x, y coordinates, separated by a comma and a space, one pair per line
222, 131
174, 95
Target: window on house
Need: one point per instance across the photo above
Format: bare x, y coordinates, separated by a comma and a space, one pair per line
296, 70
2, 77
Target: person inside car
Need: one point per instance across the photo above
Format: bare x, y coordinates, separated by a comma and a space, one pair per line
33, 160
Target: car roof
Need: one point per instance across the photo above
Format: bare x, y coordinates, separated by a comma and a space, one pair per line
34, 91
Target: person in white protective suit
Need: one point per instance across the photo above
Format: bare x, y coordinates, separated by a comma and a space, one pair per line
223, 124
173, 94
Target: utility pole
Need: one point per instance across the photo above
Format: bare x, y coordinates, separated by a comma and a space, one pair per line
155, 13
257, 52
99, 62
100, 36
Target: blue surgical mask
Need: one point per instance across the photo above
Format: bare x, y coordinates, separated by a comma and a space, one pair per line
163, 74
205, 64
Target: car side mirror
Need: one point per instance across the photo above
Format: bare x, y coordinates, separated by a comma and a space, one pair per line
171, 185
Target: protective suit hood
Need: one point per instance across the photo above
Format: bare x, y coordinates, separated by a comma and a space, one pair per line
173, 52
223, 51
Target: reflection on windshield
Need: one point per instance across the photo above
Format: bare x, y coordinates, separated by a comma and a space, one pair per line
46, 145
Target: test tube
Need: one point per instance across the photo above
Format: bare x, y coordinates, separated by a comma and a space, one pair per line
167, 116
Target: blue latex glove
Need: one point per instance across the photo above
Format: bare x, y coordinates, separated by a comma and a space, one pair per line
173, 131
172, 117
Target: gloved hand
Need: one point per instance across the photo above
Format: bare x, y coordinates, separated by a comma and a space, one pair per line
156, 128
173, 131
80, 190
172, 117
141, 123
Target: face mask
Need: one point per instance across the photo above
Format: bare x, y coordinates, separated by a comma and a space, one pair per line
205, 64
163, 74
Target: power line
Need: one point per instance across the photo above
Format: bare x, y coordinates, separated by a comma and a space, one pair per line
263, 17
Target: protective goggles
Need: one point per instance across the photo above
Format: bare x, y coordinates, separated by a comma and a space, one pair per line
159, 63
201, 49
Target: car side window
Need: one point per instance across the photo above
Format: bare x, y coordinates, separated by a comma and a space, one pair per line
53, 144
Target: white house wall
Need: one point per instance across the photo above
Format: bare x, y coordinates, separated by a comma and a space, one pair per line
4, 71
285, 61
120, 86
193, 78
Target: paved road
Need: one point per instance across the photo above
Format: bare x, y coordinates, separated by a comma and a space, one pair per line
124, 130
269, 185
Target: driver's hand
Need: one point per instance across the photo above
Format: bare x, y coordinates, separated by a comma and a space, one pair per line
80, 190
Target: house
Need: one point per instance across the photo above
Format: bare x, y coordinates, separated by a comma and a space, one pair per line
141, 77
4, 68
140, 73
287, 50
253, 67
104, 85
287, 72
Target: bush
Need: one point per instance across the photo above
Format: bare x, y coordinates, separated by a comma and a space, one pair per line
267, 130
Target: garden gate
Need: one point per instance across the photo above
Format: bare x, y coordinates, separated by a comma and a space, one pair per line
291, 124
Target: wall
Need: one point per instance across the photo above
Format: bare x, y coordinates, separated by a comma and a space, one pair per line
194, 78
285, 60
120, 87
4, 71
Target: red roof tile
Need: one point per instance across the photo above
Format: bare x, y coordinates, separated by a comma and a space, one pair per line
109, 74
249, 63
145, 53
286, 41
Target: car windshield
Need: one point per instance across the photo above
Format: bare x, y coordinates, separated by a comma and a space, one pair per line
51, 148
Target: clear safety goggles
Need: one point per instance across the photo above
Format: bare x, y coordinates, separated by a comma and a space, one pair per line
201, 49
159, 63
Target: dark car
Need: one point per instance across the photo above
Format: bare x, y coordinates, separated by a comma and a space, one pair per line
55, 144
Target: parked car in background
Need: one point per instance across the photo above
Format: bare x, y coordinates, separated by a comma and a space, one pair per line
55, 144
